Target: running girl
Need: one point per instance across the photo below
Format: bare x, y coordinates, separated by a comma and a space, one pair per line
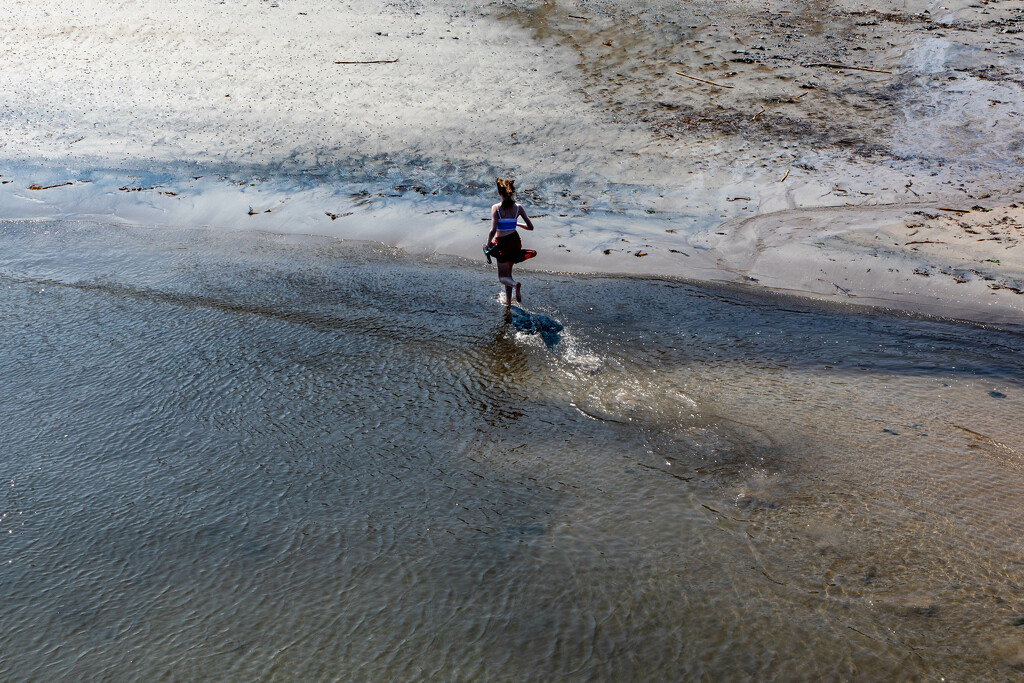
508, 248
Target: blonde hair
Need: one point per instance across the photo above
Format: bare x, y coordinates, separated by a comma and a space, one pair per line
506, 188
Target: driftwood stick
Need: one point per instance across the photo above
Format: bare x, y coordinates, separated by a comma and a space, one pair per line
33, 186
757, 114
720, 85
372, 61
830, 65
942, 208
785, 176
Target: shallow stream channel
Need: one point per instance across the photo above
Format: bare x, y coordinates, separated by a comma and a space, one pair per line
245, 456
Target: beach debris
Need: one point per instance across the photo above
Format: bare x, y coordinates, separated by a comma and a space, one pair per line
370, 61
607, 251
719, 85
757, 114
785, 176
943, 208
784, 100
832, 65
639, 254
736, 199
336, 216
33, 186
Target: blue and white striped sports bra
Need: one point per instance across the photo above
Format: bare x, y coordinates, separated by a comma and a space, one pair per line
507, 225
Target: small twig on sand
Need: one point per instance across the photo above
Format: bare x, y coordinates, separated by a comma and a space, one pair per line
372, 61
47, 187
575, 16
844, 66
785, 176
794, 99
757, 114
702, 80
736, 199
844, 290
942, 208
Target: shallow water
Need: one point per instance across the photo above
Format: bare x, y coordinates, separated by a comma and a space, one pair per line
247, 456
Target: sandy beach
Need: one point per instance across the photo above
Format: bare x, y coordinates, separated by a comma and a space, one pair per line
265, 417
746, 142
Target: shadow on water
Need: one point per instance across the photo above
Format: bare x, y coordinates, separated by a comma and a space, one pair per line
549, 330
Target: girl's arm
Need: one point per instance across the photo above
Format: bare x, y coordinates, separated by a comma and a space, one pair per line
529, 223
494, 224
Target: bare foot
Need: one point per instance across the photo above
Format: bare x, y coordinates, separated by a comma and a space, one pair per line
519, 296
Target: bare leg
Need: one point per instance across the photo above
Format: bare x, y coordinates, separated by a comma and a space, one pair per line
505, 278
519, 286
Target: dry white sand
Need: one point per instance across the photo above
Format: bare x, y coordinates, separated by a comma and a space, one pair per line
237, 115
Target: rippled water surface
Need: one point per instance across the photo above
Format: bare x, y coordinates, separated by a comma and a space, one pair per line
244, 456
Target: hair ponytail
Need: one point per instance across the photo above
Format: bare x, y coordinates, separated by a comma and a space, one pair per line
506, 188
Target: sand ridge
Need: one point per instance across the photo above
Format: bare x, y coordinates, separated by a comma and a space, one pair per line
943, 261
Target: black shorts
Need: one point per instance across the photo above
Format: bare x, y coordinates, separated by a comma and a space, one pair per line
510, 249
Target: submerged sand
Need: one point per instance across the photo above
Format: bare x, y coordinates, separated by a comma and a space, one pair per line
790, 145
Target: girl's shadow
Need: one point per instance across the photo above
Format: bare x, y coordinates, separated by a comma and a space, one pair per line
535, 323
